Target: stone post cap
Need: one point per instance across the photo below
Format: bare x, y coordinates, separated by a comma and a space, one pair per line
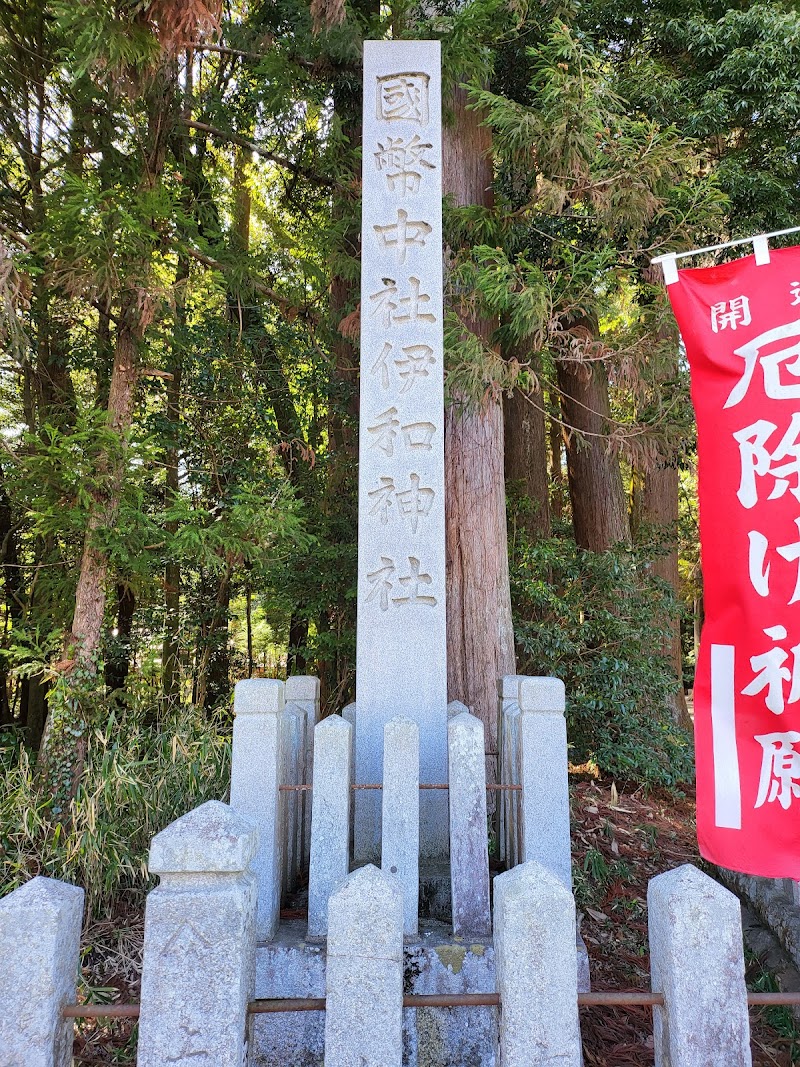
211, 839
687, 881
258, 696
332, 724
365, 916
508, 686
44, 896
455, 707
302, 687
465, 720
529, 884
541, 694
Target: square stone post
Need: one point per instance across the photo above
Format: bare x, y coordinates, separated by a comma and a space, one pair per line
198, 972
256, 767
303, 691
364, 980
330, 818
469, 843
542, 731
400, 851
401, 645
697, 962
537, 972
40, 935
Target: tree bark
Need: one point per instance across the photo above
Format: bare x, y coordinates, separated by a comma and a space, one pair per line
599, 514
118, 662
526, 461
480, 635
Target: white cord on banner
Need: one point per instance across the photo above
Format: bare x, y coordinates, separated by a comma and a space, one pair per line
760, 243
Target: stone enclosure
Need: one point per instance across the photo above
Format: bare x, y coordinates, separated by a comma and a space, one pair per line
215, 940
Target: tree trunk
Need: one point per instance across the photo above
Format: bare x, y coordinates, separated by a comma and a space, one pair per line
599, 515
480, 635
526, 461
170, 651
118, 661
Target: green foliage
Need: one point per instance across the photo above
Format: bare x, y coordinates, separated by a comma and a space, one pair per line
598, 621
137, 779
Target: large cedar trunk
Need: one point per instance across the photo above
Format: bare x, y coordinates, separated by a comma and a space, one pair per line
599, 513
480, 636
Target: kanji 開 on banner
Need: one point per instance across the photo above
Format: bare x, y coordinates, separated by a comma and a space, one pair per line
740, 323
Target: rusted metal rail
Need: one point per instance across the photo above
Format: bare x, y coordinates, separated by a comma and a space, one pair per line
492, 787
609, 999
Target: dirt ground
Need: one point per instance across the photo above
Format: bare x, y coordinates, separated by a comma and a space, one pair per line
620, 841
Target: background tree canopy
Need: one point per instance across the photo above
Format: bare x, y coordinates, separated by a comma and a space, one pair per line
179, 265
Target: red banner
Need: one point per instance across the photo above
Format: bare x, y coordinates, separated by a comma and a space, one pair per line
740, 323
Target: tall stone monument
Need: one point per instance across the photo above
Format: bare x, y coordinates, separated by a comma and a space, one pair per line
401, 665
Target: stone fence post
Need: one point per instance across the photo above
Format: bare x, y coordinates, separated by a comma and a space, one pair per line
697, 962
198, 973
537, 971
330, 818
40, 934
542, 731
469, 844
400, 822
256, 767
364, 980
303, 692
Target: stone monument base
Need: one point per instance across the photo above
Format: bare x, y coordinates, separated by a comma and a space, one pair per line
435, 962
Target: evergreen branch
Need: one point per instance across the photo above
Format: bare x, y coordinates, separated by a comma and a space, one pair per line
281, 161
291, 310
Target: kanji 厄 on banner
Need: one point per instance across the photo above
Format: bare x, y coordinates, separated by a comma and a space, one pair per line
740, 323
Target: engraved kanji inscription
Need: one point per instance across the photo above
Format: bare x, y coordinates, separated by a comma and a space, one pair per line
414, 364
403, 234
412, 583
392, 308
381, 583
416, 502
403, 162
413, 503
418, 436
384, 431
410, 587
411, 364
403, 96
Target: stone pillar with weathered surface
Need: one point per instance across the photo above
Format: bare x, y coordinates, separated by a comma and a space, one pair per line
303, 692
697, 962
364, 979
256, 769
198, 971
330, 818
469, 844
400, 836
401, 650
537, 973
40, 935
542, 740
